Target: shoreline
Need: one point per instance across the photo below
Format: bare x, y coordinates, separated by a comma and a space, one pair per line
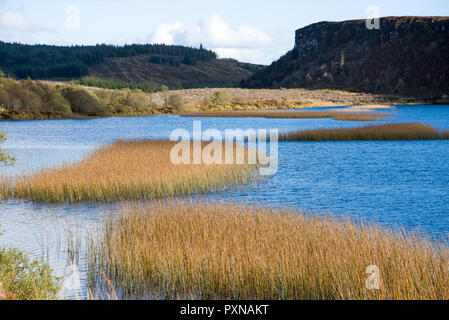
81, 102
234, 100
23, 116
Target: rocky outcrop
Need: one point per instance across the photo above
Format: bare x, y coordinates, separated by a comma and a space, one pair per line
406, 54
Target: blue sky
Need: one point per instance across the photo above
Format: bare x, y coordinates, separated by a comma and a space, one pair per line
249, 30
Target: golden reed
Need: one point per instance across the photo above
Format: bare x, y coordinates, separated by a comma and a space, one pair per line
397, 131
179, 250
126, 170
343, 116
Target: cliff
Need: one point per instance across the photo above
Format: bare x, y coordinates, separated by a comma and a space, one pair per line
406, 55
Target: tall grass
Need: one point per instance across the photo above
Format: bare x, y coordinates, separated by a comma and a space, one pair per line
178, 250
398, 131
126, 170
278, 114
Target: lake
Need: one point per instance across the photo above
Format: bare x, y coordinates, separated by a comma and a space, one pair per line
395, 184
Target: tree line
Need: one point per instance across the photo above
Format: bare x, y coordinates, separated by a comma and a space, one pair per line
46, 61
28, 99
118, 84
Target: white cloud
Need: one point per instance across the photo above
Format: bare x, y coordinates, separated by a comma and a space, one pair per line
10, 20
244, 42
218, 33
264, 55
14, 26
165, 33
213, 31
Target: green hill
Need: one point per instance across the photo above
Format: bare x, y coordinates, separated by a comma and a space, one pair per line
176, 66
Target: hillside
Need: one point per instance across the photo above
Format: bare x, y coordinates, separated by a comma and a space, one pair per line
175, 66
141, 69
407, 55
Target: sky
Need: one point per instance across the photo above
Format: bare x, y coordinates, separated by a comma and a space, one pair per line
253, 31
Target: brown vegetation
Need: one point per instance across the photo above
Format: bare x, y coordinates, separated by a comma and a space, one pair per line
219, 72
284, 98
26, 99
397, 131
180, 250
343, 116
18, 98
127, 170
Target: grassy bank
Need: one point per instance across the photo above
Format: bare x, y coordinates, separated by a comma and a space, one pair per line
210, 251
285, 97
127, 170
343, 116
398, 131
28, 99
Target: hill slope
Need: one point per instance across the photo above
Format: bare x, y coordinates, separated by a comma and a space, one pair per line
407, 54
216, 72
170, 65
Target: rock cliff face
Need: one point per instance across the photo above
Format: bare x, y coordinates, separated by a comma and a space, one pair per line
406, 54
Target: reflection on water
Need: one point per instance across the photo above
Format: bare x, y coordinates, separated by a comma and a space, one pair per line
42, 230
393, 183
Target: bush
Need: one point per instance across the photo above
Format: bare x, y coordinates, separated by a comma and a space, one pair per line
4, 98
124, 110
165, 95
219, 98
136, 99
83, 102
27, 99
23, 279
176, 101
109, 97
5, 157
31, 101
26, 95
123, 101
58, 104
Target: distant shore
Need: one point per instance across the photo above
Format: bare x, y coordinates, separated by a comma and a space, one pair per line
136, 103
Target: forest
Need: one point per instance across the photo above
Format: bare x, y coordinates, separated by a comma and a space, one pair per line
46, 62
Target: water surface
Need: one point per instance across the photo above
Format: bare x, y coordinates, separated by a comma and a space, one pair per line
392, 183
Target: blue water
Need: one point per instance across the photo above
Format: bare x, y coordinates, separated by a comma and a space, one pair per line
392, 183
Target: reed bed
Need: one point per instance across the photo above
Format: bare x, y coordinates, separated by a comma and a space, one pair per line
126, 170
398, 131
279, 114
180, 250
